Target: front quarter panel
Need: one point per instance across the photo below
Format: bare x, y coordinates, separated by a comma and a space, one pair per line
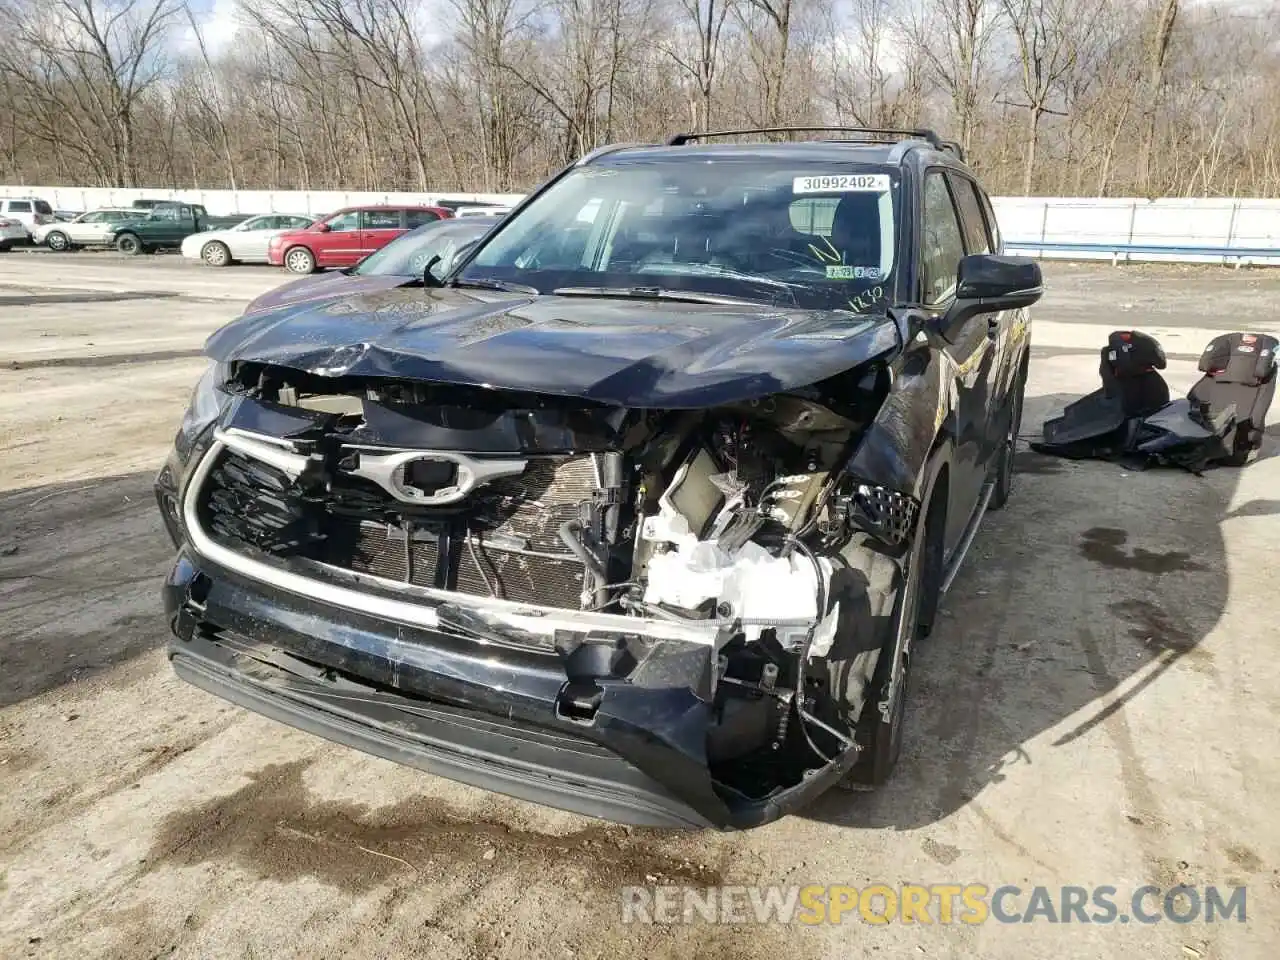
915, 417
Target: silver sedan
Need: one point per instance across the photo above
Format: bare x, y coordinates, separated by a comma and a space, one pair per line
245, 242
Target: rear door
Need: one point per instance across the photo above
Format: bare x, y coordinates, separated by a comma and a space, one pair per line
380, 227
968, 346
339, 246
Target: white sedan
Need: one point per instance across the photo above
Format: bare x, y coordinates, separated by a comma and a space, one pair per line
87, 230
245, 242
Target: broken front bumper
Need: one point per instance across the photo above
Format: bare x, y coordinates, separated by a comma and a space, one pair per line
502, 718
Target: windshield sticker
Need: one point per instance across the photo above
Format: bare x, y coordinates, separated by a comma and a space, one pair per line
841, 272
842, 183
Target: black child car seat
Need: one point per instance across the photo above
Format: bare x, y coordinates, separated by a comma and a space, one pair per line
1099, 424
1131, 419
1239, 369
1130, 362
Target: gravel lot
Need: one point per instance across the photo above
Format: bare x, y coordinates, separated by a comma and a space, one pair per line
1099, 705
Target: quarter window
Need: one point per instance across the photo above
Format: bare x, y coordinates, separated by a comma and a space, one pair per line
416, 218
19, 206
942, 244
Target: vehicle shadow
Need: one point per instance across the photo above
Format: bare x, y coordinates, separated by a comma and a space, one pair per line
1086, 590
81, 565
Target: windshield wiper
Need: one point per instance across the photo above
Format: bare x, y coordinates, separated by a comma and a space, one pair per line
481, 284
650, 293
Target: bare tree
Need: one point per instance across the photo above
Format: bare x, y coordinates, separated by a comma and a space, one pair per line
1048, 34
700, 27
84, 66
1157, 51
954, 36
1103, 96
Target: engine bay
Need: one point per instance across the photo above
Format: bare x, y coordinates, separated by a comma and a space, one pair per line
732, 516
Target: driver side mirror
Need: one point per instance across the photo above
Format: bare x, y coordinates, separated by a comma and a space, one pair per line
986, 283
463, 252
323, 227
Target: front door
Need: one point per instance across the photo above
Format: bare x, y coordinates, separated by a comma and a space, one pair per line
251, 242
969, 350
340, 245
169, 224
1001, 326
88, 229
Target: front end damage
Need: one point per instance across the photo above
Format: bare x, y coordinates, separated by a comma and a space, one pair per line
654, 616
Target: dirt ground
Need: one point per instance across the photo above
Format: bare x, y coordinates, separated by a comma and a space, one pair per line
1099, 705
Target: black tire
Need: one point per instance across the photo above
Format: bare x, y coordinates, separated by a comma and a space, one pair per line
881, 739
5, 247
216, 254
1009, 448
129, 244
299, 260
58, 241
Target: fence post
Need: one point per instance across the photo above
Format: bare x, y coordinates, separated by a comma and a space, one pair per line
1133, 218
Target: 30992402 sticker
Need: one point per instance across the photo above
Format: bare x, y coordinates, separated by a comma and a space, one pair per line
842, 183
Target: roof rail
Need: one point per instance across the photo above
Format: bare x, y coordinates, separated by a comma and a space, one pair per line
953, 147
864, 134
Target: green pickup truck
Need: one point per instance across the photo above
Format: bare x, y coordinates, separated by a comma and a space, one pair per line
166, 224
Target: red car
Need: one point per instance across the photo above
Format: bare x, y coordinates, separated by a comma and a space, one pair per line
348, 236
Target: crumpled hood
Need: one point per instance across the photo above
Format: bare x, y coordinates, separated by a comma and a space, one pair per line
636, 353
324, 286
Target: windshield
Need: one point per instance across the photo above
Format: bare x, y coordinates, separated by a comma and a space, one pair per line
814, 235
408, 255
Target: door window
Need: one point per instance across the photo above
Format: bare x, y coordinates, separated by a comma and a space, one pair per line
382, 219
345, 221
942, 244
91, 218
975, 224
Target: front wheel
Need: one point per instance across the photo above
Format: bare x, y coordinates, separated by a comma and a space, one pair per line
300, 260
58, 241
879, 737
215, 254
129, 244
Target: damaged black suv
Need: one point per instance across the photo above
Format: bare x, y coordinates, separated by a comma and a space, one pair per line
639, 512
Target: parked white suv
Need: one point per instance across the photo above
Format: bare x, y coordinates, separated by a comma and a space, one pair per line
29, 211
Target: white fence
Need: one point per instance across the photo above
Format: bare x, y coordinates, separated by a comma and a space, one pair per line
1184, 230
